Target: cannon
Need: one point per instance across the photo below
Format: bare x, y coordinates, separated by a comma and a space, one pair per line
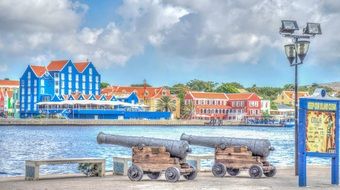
234, 154
152, 156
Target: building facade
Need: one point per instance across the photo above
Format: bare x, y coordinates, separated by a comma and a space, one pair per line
265, 106
9, 103
40, 83
148, 96
287, 97
233, 106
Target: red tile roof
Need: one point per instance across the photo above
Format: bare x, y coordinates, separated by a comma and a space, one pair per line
9, 83
290, 94
150, 92
81, 66
208, 95
56, 65
39, 71
239, 96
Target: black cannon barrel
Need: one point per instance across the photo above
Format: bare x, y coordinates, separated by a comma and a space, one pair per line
259, 147
176, 148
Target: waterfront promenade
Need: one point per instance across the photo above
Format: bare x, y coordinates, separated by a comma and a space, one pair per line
318, 178
112, 122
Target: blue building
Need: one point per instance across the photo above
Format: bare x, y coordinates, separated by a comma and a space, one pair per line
65, 89
62, 77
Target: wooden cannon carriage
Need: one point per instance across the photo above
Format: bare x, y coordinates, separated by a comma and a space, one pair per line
152, 156
153, 161
235, 154
233, 159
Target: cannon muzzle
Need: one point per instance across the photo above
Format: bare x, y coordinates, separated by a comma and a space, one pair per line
176, 148
259, 147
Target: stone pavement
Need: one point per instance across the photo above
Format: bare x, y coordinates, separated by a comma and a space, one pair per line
318, 178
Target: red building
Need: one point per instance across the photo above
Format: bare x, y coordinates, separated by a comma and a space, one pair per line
234, 106
243, 105
207, 105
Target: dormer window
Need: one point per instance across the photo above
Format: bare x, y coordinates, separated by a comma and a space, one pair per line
70, 69
90, 71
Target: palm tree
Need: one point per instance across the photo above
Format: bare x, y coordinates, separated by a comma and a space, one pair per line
188, 111
166, 103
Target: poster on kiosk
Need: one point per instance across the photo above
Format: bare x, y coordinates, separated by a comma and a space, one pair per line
319, 133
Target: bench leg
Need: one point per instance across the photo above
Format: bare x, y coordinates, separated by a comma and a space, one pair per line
31, 172
101, 169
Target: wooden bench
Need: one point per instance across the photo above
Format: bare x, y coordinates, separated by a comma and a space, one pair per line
122, 163
32, 166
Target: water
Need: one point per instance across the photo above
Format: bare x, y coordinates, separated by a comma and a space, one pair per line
21, 143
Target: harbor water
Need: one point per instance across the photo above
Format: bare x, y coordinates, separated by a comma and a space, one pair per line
20, 143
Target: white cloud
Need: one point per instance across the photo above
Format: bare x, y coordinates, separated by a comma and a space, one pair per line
219, 31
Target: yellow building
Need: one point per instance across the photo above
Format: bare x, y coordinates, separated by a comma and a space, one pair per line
287, 97
148, 96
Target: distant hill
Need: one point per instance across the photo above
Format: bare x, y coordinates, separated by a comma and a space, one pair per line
334, 85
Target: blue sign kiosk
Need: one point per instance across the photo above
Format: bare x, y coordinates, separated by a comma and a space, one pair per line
318, 133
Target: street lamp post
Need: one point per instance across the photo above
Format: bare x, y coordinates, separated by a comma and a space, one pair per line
297, 52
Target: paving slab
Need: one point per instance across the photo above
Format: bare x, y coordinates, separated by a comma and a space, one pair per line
318, 178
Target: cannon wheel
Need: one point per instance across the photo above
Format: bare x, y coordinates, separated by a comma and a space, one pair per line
255, 171
219, 170
192, 175
271, 173
233, 171
135, 173
154, 175
172, 174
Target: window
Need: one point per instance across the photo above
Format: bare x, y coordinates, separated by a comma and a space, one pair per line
35, 83
70, 84
69, 69
77, 86
35, 107
35, 90
57, 91
29, 99
29, 108
28, 75
77, 77
62, 76
23, 92
90, 71
97, 78
56, 75
35, 99
62, 91
90, 78
22, 100
28, 91
90, 87
83, 91
69, 77
62, 84
28, 82
83, 86
42, 82
42, 91
69, 91
97, 87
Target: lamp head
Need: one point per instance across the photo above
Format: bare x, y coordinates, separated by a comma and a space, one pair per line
312, 29
288, 26
290, 52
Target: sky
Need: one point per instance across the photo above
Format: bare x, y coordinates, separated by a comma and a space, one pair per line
170, 41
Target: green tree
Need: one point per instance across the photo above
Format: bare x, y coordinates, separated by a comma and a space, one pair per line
227, 88
104, 85
288, 87
165, 103
188, 111
199, 85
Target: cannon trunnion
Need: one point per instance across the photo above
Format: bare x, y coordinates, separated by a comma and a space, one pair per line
233, 155
152, 156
